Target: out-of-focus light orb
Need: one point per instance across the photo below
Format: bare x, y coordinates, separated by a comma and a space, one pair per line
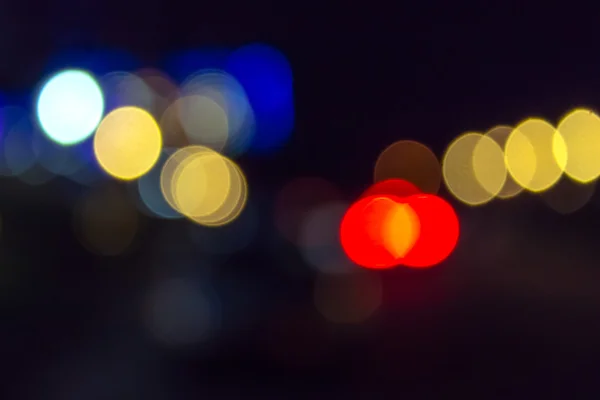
535, 154
265, 74
123, 89
489, 166
412, 161
204, 186
163, 91
500, 135
401, 230
349, 298
57, 159
319, 241
568, 196
580, 130
364, 232
439, 231
70, 106
473, 168
296, 199
127, 143
223, 89
179, 313
204, 121
105, 222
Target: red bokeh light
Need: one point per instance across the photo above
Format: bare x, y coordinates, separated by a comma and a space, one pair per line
439, 231
361, 232
371, 237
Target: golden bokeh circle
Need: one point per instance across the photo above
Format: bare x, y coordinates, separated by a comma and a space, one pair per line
535, 155
500, 135
203, 185
127, 143
473, 168
580, 130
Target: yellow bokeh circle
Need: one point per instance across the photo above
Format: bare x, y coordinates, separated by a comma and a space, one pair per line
127, 143
535, 155
500, 135
580, 130
204, 186
473, 168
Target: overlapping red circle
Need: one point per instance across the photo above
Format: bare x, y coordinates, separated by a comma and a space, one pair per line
393, 223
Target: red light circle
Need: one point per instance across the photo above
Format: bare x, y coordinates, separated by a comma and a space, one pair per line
361, 232
439, 231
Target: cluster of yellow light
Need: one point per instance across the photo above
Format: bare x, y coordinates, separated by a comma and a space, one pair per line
532, 156
203, 185
196, 181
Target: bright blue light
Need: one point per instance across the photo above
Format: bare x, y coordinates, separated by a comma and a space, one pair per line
70, 107
267, 78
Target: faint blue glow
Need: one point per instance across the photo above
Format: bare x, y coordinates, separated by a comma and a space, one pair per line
99, 61
230, 238
265, 74
183, 64
180, 313
125, 89
18, 149
59, 160
9, 116
70, 107
89, 172
150, 193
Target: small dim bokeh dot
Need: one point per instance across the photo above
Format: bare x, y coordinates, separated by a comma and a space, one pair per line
411, 161
349, 298
105, 221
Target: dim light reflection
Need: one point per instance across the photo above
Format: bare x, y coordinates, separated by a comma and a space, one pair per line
411, 161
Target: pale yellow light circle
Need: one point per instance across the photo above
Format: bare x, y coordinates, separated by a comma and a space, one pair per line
580, 130
127, 143
489, 166
500, 135
204, 121
530, 155
172, 166
235, 202
459, 167
202, 185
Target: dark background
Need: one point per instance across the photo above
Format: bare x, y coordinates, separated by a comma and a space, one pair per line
513, 313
